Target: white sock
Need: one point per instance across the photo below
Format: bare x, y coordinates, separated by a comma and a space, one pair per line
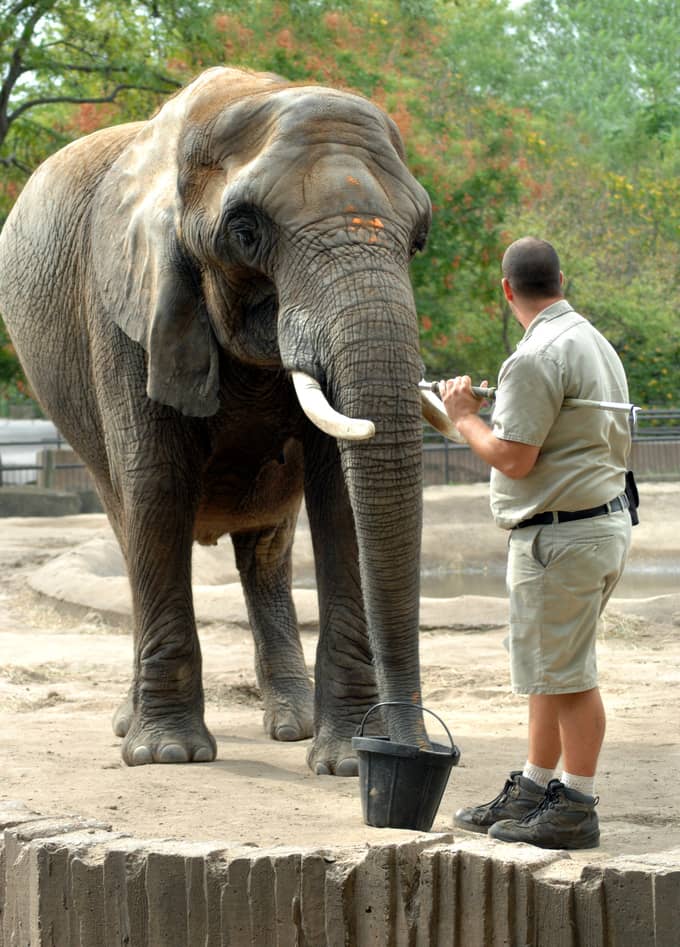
538, 774
584, 784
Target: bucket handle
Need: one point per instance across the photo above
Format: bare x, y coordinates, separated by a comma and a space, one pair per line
405, 703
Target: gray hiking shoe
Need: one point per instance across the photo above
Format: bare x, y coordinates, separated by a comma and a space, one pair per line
517, 798
565, 819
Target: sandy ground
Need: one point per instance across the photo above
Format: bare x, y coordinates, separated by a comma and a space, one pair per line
65, 654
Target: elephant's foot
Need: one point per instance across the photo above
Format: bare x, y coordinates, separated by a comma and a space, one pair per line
122, 719
289, 715
332, 756
171, 739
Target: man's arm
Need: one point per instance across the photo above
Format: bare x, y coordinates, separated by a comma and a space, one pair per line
512, 458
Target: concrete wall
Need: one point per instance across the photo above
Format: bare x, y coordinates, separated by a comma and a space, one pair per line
68, 882
40, 501
35, 501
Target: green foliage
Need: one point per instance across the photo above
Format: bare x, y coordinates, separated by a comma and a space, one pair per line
606, 62
13, 387
68, 67
558, 119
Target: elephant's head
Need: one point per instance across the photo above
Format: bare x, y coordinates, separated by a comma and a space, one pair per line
277, 222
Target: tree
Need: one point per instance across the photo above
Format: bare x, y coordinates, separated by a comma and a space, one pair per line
614, 64
59, 54
544, 119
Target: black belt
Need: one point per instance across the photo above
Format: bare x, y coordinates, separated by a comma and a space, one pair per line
565, 516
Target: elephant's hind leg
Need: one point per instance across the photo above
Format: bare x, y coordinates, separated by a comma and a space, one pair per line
264, 562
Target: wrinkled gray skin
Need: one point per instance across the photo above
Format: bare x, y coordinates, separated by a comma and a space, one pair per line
160, 281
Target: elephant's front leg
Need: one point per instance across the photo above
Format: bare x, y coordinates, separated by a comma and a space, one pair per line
345, 684
264, 563
166, 723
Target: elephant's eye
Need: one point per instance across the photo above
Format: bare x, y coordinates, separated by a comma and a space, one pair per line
245, 232
244, 226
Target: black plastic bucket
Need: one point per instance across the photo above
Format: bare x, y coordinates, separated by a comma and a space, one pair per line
401, 785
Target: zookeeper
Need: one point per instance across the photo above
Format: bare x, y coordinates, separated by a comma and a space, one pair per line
558, 485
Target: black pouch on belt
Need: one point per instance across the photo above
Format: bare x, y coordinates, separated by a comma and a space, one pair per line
633, 497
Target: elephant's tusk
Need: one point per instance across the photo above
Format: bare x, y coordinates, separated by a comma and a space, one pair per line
313, 402
438, 418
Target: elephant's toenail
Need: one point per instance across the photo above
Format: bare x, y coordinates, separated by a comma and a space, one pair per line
173, 753
204, 755
347, 767
322, 770
141, 756
286, 734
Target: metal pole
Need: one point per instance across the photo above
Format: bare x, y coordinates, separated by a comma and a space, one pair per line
490, 394
48, 467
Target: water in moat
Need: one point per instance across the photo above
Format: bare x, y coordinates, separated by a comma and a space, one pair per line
638, 582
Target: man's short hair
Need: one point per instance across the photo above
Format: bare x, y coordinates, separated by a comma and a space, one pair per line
532, 267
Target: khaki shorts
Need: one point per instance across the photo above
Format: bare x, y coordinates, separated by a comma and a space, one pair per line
559, 579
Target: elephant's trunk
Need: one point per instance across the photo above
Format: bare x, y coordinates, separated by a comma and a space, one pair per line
384, 483
366, 357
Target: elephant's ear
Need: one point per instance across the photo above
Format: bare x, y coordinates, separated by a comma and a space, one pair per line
144, 279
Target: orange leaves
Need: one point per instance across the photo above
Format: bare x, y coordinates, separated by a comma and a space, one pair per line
402, 118
285, 39
332, 20
174, 64
238, 37
320, 69
344, 30
10, 189
222, 22
90, 116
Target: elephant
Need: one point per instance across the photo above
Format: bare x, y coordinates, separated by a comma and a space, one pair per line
215, 308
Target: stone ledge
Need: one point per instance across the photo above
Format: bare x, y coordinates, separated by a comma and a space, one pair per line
47, 501
38, 501
77, 883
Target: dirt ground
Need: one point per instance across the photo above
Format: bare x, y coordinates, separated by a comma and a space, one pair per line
65, 655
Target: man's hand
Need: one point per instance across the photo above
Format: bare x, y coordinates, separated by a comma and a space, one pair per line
512, 458
458, 399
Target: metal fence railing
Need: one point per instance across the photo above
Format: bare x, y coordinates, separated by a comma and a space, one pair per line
45, 463
655, 456
655, 453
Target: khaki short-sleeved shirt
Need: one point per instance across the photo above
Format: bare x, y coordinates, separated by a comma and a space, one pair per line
584, 451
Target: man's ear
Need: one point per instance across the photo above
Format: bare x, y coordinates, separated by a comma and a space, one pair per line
507, 289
